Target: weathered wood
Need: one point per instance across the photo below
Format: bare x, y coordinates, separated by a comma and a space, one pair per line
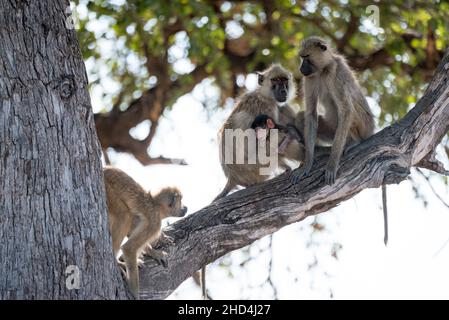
245, 216
52, 200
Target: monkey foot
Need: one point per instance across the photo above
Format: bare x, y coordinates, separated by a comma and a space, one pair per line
298, 174
161, 258
123, 271
166, 240
329, 176
162, 261
140, 263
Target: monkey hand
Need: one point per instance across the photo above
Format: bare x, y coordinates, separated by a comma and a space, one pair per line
330, 173
165, 240
140, 263
300, 173
160, 257
122, 267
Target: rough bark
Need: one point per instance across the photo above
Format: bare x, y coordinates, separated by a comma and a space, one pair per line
245, 216
52, 200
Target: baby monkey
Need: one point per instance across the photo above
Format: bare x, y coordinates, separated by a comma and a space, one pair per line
138, 214
262, 124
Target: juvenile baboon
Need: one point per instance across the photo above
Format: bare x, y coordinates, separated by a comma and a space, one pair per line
276, 88
135, 212
346, 115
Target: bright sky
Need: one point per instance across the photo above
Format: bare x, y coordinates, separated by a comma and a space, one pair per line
413, 266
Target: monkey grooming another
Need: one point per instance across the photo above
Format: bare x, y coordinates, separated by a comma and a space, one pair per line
329, 80
135, 212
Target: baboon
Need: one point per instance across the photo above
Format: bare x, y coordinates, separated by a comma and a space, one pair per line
330, 81
263, 123
276, 88
135, 212
346, 115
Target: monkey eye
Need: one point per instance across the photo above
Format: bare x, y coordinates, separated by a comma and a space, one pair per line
279, 80
172, 202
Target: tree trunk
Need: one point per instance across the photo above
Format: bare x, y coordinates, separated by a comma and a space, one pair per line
54, 235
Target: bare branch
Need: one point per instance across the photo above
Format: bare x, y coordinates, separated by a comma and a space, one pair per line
270, 271
433, 189
432, 163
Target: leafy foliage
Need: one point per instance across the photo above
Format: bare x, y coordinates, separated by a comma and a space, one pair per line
143, 43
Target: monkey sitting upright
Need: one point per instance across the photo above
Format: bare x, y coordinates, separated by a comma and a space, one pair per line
276, 88
347, 118
135, 212
330, 81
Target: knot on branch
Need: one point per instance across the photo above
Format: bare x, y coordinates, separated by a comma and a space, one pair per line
231, 218
66, 86
395, 174
432, 163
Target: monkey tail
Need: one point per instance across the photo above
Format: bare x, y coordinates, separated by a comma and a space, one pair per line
385, 210
228, 187
203, 283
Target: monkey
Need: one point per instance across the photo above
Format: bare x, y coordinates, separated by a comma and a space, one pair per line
329, 81
276, 88
263, 123
134, 211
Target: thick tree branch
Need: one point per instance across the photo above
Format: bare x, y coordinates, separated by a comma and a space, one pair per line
248, 215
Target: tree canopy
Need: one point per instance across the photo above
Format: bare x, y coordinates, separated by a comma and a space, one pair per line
153, 52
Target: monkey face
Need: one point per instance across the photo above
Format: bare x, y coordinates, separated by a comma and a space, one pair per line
262, 124
182, 212
315, 56
307, 67
171, 199
279, 87
177, 209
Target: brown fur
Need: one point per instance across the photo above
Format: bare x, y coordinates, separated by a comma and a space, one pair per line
135, 212
251, 104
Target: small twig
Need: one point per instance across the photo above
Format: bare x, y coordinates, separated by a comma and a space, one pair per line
430, 162
432, 188
270, 271
441, 248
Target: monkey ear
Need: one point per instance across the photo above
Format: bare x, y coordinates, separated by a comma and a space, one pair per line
321, 46
260, 78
